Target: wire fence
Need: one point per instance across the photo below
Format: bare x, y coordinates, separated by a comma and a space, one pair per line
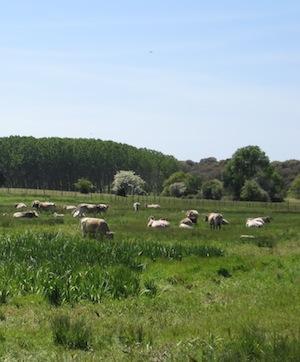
164, 202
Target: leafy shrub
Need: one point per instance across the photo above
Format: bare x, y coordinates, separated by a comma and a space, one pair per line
212, 189
177, 189
251, 191
84, 186
294, 190
71, 334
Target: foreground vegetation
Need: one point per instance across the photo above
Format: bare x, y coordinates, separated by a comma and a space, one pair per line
157, 295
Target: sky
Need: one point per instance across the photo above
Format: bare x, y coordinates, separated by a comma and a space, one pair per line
189, 78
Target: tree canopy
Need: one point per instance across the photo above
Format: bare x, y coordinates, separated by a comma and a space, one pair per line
251, 163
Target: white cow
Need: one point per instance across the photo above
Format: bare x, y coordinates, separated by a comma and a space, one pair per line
152, 206
161, 223
20, 205
186, 223
26, 214
136, 206
192, 215
255, 223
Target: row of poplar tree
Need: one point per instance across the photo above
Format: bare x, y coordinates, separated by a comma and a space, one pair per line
57, 163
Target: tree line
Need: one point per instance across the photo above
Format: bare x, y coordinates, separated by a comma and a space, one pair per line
105, 166
57, 163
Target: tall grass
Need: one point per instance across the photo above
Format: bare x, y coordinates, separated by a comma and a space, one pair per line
70, 269
71, 334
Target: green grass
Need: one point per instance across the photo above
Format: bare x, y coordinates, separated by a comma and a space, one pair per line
164, 295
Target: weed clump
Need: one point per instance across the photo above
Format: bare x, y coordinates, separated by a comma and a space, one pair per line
71, 334
224, 273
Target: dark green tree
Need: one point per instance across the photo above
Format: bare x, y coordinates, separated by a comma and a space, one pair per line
212, 189
294, 190
252, 191
250, 163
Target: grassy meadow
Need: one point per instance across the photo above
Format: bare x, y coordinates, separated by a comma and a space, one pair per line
157, 295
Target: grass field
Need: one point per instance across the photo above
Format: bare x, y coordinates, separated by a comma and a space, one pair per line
157, 295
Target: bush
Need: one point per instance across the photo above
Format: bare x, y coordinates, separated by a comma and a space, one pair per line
294, 190
177, 189
251, 191
73, 335
84, 186
212, 189
190, 182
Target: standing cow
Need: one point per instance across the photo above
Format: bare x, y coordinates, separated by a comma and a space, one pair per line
95, 227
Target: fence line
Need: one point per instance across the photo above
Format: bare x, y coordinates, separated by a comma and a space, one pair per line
166, 202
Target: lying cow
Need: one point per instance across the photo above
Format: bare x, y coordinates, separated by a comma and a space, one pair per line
161, 223
152, 206
20, 205
44, 205
95, 227
26, 214
193, 215
257, 222
186, 223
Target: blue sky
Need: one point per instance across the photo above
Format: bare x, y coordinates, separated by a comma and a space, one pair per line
188, 78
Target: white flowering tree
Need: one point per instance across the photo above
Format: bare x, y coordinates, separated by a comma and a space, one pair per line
128, 183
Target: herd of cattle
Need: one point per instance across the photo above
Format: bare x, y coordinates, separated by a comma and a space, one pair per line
98, 226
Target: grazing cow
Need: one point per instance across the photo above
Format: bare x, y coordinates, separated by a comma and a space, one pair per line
20, 205
192, 215
136, 206
152, 206
186, 223
26, 214
215, 220
161, 223
45, 205
95, 227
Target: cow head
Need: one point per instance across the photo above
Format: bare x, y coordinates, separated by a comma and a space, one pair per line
36, 204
